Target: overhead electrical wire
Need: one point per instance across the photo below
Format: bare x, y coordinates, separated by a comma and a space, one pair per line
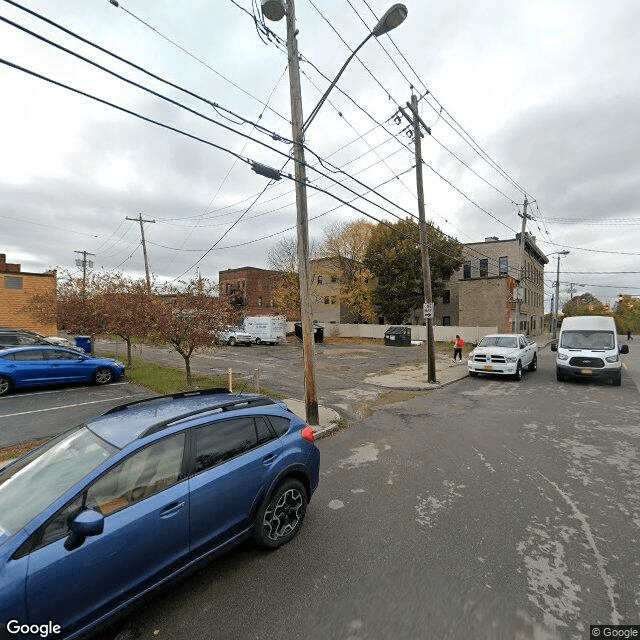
195, 137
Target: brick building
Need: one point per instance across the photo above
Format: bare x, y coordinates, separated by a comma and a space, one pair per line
251, 289
484, 291
17, 288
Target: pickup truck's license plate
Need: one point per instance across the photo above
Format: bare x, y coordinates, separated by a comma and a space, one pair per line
487, 367
586, 372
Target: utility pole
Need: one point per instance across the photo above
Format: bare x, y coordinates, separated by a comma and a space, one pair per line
557, 295
524, 217
417, 122
555, 312
83, 263
297, 128
144, 247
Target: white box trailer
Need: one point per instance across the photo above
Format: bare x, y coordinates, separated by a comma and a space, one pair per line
268, 329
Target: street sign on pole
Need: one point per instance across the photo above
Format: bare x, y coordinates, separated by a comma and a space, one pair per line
427, 310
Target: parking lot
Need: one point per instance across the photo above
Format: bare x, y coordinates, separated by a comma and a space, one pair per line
341, 371
29, 415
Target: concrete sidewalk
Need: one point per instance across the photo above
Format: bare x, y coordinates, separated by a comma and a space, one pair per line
409, 377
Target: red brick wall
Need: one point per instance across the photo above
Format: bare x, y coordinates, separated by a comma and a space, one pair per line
251, 284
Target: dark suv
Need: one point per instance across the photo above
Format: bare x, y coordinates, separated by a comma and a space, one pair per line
21, 338
95, 518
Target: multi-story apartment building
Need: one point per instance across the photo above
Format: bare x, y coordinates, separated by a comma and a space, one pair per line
251, 289
17, 288
489, 290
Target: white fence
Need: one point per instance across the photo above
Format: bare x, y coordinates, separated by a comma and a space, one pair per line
418, 332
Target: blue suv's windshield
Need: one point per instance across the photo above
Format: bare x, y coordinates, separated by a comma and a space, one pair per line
38, 480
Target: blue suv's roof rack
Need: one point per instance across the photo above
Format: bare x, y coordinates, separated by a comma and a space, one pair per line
237, 403
170, 396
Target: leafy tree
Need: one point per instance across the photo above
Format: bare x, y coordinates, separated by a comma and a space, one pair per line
345, 243
124, 306
626, 312
187, 318
585, 304
393, 256
286, 294
283, 258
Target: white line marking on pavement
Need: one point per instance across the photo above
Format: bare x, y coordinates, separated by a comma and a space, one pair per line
66, 406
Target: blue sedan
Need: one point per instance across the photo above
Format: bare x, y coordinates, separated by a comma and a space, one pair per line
38, 366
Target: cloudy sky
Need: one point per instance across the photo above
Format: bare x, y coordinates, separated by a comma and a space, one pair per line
524, 99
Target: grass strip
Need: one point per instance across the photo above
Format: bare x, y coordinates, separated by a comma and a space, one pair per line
159, 378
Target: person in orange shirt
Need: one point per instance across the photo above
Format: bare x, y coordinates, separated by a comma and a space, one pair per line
457, 347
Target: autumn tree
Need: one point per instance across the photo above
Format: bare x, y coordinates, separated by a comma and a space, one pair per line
124, 306
283, 258
585, 304
393, 256
345, 244
187, 317
626, 312
73, 307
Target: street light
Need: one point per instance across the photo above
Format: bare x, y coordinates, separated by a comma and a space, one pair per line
275, 10
555, 314
393, 17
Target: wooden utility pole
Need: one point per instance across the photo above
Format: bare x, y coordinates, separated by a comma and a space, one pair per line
83, 263
521, 277
417, 123
297, 127
144, 248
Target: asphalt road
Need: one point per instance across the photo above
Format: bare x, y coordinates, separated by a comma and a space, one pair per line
487, 509
45, 412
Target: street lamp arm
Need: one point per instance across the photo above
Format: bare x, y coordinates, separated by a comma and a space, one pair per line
314, 113
392, 17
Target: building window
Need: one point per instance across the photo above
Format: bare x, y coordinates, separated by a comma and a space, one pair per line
466, 270
446, 321
504, 265
446, 297
334, 278
319, 279
484, 268
12, 282
260, 301
334, 300
326, 299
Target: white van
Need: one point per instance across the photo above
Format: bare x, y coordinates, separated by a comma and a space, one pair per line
588, 348
267, 329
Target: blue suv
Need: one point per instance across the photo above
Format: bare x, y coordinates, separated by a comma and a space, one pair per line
97, 517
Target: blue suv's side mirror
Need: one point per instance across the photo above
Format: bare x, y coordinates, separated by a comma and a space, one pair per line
86, 523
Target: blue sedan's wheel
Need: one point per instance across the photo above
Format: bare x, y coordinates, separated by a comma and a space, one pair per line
5, 385
280, 518
103, 376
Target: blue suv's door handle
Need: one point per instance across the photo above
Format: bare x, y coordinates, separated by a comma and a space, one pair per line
172, 509
269, 459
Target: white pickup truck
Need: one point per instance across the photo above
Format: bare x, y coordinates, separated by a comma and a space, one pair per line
504, 354
233, 336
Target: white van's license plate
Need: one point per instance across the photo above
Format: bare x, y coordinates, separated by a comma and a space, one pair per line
586, 372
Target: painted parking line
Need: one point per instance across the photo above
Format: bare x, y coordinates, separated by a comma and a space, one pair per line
66, 406
27, 394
